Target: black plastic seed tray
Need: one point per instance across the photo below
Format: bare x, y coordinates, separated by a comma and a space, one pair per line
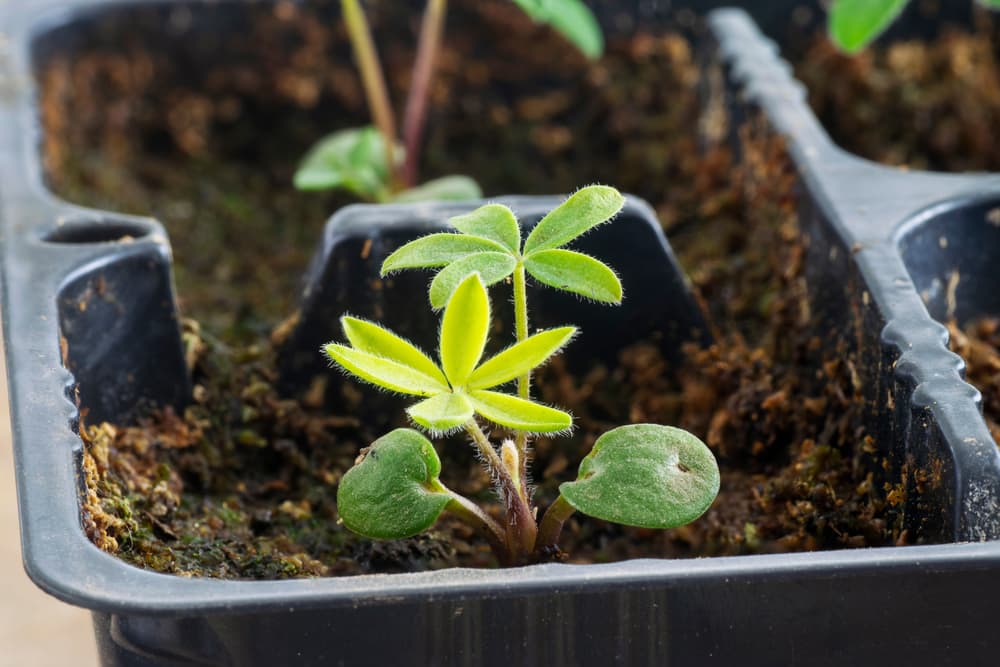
88, 310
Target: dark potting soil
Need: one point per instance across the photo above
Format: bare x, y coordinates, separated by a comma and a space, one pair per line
243, 483
979, 344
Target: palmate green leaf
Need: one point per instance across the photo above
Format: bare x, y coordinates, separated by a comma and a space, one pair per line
645, 475
491, 266
519, 413
464, 327
436, 250
370, 337
572, 19
447, 188
393, 492
495, 222
384, 372
855, 23
352, 159
520, 358
575, 272
582, 211
441, 413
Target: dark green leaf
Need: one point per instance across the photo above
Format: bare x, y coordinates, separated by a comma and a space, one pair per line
446, 188
436, 250
351, 159
582, 211
492, 221
855, 23
575, 272
572, 19
491, 266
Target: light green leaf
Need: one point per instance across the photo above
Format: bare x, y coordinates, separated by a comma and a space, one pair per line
442, 412
856, 23
584, 210
491, 266
450, 188
352, 159
520, 358
492, 221
572, 19
519, 413
393, 492
645, 475
464, 327
991, 4
370, 337
575, 272
436, 250
384, 372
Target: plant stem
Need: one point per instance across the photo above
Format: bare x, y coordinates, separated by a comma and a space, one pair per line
372, 80
472, 514
552, 523
415, 114
523, 382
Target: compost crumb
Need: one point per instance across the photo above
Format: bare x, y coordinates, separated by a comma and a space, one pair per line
978, 342
242, 483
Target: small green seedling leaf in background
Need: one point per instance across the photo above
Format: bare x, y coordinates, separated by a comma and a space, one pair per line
489, 242
393, 490
456, 389
570, 18
645, 475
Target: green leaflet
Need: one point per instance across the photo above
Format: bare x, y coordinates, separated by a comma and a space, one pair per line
519, 413
464, 328
645, 475
856, 23
436, 250
584, 210
370, 337
441, 413
575, 272
492, 267
495, 222
992, 4
384, 372
520, 358
572, 19
450, 188
352, 159
393, 492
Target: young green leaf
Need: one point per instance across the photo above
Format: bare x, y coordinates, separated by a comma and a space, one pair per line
520, 358
856, 23
436, 250
449, 188
991, 4
353, 159
441, 413
393, 492
572, 19
464, 328
495, 222
584, 210
575, 272
384, 372
645, 475
492, 267
370, 337
519, 413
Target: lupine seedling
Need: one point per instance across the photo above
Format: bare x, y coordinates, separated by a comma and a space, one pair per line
369, 162
645, 475
854, 24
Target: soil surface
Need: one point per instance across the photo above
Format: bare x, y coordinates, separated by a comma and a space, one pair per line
242, 484
979, 344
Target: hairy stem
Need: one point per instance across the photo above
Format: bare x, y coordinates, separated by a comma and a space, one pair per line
552, 523
416, 101
372, 79
472, 514
523, 382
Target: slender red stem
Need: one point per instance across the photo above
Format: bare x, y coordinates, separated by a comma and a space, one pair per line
415, 115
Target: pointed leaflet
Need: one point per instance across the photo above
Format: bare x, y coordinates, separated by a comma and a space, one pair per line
442, 412
393, 492
645, 475
495, 222
436, 250
384, 372
370, 337
585, 209
520, 358
352, 159
449, 188
855, 23
575, 272
491, 266
464, 327
572, 19
519, 413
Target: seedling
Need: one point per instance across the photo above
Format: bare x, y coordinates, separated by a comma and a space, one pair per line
854, 24
369, 162
644, 475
